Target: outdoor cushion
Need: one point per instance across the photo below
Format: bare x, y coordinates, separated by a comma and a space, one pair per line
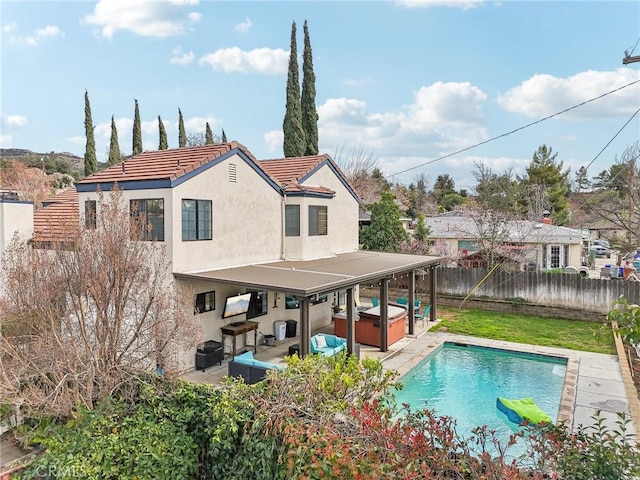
321, 341
246, 358
259, 363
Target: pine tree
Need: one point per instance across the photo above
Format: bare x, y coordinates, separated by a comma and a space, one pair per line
163, 135
137, 131
114, 147
224, 136
308, 101
90, 160
294, 143
208, 135
182, 135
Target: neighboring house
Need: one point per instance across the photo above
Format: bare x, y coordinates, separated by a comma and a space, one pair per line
282, 232
16, 218
528, 244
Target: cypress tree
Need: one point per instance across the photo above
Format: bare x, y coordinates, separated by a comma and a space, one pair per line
224, 137
182, 135
114, 147
208, 135
137, 131
90, 160
294, 143
308, 101
163, 135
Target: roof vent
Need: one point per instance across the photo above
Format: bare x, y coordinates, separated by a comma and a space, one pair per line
232, 173
123, 169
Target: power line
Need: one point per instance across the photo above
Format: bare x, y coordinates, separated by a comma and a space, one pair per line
429, 162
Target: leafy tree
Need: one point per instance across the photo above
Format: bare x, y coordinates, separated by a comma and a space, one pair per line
451, 200
422, 230
90, 160
545, 187
443, 185
137, 131
208, 134
495, 192
308, 100
386, 231
294, 136
114, 147
359, 167
88, 315
182, 134
224, 137
164, 144
582, 181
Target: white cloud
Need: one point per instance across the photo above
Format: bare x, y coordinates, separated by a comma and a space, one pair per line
198, 124
13, 121
243, 27
181, 58
462, 4
274, 140
142, 17
261, 60
5, 141
33, 40
544, 95
9, 27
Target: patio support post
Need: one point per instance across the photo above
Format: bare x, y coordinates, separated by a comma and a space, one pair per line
432, 287
351, 321
411, 301
384, 314
305, 330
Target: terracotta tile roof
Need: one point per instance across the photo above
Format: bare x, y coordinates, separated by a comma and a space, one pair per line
292, 169
58, 218
163, 164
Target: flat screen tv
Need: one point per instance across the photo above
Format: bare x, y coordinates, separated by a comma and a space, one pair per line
236, 305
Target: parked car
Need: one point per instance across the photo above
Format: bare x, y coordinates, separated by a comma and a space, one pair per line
604, 243
601, 251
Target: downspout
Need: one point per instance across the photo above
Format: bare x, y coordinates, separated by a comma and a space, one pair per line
284, 227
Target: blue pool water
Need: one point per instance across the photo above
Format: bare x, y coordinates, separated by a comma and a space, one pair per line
463, 382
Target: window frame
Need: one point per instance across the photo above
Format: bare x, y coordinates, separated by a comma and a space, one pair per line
203, 230
259, 304
201, 299
292, 220
90, 214
318, 220
156, 219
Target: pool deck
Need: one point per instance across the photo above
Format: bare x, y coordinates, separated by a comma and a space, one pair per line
593, 382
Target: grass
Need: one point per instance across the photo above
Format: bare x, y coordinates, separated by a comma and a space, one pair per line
550, 332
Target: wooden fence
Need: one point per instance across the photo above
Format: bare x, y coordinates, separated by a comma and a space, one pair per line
564, 291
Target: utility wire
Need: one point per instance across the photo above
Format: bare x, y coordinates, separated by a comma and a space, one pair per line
513, 131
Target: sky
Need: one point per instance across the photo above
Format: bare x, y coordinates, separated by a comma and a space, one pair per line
426, 87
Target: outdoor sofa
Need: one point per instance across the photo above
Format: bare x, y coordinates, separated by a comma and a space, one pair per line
249, 368
327, 345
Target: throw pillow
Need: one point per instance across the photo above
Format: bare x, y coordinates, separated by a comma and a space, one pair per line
321, 342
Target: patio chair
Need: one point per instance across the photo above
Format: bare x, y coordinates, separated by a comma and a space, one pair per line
374, 301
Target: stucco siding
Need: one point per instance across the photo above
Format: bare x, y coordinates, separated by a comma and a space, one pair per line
247, 219
16, 217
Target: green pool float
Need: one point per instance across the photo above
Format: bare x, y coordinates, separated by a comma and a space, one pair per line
522, 410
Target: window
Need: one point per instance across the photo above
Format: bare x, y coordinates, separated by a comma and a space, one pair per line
205, 302
150, 215
317, 220
292, 220
316, 299
565, 251
468, 245
340, 298
196, 220
90, 214
291, 302
555, 257
257, 305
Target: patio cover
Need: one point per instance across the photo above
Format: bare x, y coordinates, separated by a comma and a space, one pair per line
305, 279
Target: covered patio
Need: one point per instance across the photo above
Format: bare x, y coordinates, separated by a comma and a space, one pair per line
306, 280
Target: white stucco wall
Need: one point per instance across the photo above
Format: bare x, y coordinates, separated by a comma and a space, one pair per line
16, 217
247, 219
342, 218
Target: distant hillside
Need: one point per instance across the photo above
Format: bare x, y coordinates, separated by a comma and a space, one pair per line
62, 162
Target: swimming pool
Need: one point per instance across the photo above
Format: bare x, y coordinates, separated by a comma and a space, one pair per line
463, 381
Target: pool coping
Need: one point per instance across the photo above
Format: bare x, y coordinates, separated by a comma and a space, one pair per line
569, 388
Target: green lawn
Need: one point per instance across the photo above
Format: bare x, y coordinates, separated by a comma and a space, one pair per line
550, 332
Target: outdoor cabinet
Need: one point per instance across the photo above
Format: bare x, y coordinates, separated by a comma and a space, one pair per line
208, 355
